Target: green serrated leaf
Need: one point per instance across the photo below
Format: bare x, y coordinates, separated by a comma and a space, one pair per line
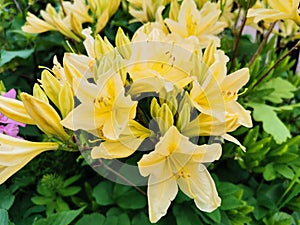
282, 89
271, 123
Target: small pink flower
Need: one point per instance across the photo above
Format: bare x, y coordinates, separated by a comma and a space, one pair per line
9, 126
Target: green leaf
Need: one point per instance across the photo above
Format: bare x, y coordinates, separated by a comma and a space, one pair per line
7, 198
282, 89
121, 219
61, 218
4, 217
71, 180
285, 171
269, 172
103, 193
271, 123
140, 219
128, 198
230, 202
7, 56
185, 215
279, 218
41, 200
226, 188
215, 216
91, 219
69, 191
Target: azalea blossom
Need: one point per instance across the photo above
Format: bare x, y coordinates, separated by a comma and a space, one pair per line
277, 10
105, 108
214, 92
178, 162
203, 24
67, 21
145, 10
16, 153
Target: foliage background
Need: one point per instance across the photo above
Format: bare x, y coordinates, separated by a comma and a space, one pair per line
260, 186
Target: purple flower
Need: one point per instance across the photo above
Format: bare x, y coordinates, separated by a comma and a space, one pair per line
9, 126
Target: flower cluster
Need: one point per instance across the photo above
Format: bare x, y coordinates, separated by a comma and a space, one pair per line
168, 86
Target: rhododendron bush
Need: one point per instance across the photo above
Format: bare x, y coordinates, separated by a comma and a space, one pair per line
155, 112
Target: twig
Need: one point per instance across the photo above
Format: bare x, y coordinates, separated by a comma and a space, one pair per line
262, 44
238, 38
275, 64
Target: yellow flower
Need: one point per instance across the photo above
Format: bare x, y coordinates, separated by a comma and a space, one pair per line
15, 110
215, 93
176, 161
145, 10
155, 65
104, 107
103, 10
67, 22
203, 23
16, 153
128, 142
44, 116
279, 10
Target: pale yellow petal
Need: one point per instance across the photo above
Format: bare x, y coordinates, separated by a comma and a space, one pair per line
15, 110
201, 187
45, 117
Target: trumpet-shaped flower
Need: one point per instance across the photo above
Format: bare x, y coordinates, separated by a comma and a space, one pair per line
145, 10
215, 93
128, 142
16, 153
176, 161
103, 10
279, 10
44, 116
104, 107
203, 23
67, 21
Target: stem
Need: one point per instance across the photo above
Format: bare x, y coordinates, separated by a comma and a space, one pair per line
120, 176
262, 44
18, 6
62, 7
238, 38
275, 64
